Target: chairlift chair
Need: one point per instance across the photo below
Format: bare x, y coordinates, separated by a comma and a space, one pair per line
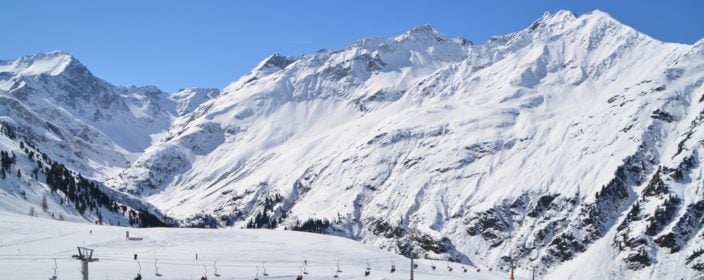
300, 275
54, 277
156, 268
393, 266
337, 271
215, 267
139, 273
264, 268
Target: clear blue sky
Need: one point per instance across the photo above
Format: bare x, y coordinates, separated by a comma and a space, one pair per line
174, 44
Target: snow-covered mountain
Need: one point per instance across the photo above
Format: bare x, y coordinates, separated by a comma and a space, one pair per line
57, 118
574, 140
95, 127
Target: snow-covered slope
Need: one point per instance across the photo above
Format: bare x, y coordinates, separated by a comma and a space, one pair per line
575, 140
54, 102
57, 118
29, 247
534, 144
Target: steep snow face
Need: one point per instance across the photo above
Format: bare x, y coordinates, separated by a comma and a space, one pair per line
314, 93
188, 99
51, 63
92, 126
36, 185
533, 144
59, 121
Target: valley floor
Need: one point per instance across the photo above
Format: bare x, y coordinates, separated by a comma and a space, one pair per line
30, 245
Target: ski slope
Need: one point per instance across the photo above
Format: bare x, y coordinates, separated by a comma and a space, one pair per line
29, 246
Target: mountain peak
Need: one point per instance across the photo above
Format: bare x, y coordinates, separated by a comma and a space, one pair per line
549, 20
51, 63
423, 28
423, 32
563, 17
560, 15
598, 13
275, 61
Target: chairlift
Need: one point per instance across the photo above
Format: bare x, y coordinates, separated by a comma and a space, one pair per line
54, 277
305, 267
256, 276
215, 266
139, 273
393, 266
368, 270
156, 268
264, 268
300, 275
205, 273
337, 271
433, 266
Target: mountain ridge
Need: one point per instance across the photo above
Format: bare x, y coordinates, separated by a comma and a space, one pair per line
537, 144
